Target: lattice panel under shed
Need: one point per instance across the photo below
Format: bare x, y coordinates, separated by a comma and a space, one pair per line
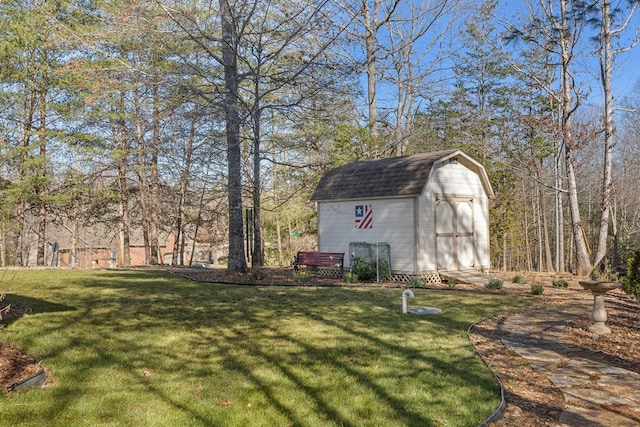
425, 279
370, 261
333, 273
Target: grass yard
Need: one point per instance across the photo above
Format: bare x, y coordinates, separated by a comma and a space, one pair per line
149, 349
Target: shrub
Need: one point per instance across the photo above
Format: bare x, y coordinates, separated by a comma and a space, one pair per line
384, 269
349, 277
362, 269
603, 272
301, 276
631, 283
519, 279
560, 283
370, 270
494, 284
451, 283
418, 282
537, 289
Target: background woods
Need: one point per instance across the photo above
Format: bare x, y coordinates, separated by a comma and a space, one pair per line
175, 132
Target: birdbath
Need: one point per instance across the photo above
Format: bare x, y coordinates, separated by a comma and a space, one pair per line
598, 289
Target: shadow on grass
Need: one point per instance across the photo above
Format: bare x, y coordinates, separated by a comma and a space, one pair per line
36, 306
127, 322
329, 358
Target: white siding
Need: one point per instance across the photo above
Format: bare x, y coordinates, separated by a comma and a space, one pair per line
454, 178
392, 223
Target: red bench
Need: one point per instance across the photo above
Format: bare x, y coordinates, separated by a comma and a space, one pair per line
319, 259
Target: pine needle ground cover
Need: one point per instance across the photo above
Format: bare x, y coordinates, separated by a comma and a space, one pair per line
150, 349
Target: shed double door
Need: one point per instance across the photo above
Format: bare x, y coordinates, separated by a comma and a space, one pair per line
455, 246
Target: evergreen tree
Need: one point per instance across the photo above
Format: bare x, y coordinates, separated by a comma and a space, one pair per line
36, 54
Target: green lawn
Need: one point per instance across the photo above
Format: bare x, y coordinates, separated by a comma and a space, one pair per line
149, 349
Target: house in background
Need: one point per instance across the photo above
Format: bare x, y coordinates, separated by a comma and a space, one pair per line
71, 245
96, 246
432, 209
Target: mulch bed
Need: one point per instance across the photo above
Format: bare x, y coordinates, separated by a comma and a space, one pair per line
15, 366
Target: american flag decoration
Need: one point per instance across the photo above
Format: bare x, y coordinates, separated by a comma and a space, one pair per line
364, 216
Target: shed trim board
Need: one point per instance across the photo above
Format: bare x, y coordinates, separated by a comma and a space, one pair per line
416, 244
400, 197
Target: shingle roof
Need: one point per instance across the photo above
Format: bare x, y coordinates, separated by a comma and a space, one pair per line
393, 177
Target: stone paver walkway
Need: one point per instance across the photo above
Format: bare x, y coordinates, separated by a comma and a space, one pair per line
593, 390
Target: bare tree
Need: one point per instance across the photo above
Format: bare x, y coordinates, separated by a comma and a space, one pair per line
606, 56
412, 55
559, 33
277, 46
368, 17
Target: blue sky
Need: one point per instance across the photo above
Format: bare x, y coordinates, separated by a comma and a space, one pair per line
513, 12
627, 65
627, 73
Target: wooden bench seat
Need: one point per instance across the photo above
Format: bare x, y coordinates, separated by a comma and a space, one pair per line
319, 259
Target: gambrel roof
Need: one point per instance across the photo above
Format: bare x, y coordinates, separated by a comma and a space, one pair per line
404, 176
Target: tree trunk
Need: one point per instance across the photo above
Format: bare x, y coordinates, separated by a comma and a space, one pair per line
398, 135
548, 259
606, 63
124, 252
237, 261
537, 221
504, 252
525, 219
256, 256
559, 207
42, 185
3, 248
121, 161
19, 235
274, 178
178, 249
198, 221
143, 186
73, 251
547, 264
583, 266
21, 257
154, 244
370, 47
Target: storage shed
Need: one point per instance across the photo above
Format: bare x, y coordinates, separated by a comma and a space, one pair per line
431, 208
